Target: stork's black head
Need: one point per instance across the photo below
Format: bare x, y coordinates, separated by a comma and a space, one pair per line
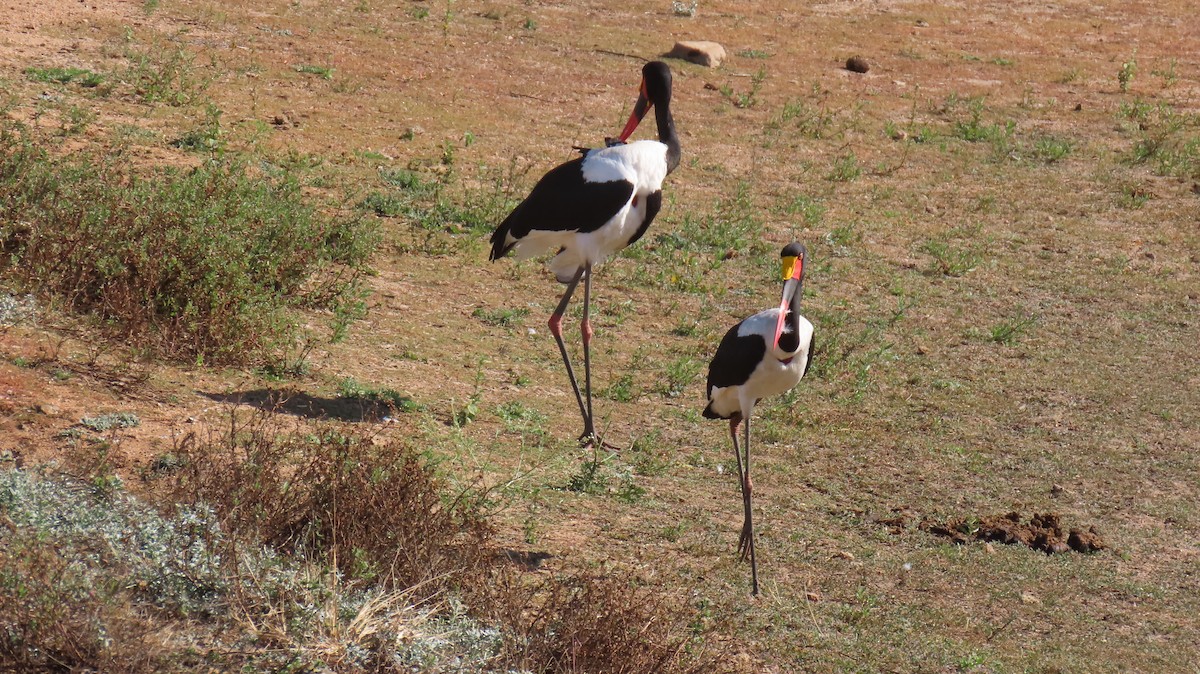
656, 82
655, 89
794, 249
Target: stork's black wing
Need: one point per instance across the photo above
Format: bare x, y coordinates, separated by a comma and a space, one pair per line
735, 359
563, 201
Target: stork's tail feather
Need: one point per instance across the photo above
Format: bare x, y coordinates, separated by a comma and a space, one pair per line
500, 245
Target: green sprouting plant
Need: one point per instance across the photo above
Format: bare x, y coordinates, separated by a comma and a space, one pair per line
810, 209
679, 373
1049, 149
82, 76
1127, 72
504, 318
1133, 197
518, 418
589, 478
845, 169
647, 457
75, 119
165, 74
461, 416
349, 387
1008, 331
324, 72
1167, 74
750, 98
950, 260
207, 137
620, 390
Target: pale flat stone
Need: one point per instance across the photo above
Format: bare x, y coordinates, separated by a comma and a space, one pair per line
706, 53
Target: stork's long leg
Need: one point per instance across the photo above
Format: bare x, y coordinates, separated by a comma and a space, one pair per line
746, 540
556, 330
589, 430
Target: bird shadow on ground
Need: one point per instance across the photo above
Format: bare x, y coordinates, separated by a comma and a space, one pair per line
307, 406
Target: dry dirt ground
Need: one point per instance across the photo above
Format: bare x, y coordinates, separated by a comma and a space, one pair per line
1006, 299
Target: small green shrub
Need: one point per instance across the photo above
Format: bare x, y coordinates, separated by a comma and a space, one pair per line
211, 264
85, 78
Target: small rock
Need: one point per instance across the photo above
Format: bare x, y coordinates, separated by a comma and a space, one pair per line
1078, 107
922, 23
48, 409
989, 548
813, 596
703, 52
857, 64
842, 554
1029, 598
282, 122
1057, 490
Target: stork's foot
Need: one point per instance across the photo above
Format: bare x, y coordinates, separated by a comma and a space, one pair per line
745, 542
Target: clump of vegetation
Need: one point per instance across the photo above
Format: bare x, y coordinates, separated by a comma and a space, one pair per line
210, 264
82, 76
107, 422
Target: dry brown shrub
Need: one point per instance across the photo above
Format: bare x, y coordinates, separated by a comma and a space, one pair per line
363, 504
586, 621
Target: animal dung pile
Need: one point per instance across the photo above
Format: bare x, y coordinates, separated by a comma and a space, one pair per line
1043, 532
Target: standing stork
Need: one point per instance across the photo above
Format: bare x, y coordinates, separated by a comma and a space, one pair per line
592, 207
764, 355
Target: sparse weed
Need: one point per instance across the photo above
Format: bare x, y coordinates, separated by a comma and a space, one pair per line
1048, 149
648, 458
1167, 74
502, 318
165, 74
1127, 72
207, 137
589, 479
1133, 197
810, 209
808, 120
324, 72
679, 374
351, 388
85, 78
845, 169
1008, 331
620, 390
949, 260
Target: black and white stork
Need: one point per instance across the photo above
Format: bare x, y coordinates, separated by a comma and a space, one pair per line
592, 207
764, 355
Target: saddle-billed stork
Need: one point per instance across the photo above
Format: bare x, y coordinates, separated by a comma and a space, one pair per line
591, 207
764, 355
